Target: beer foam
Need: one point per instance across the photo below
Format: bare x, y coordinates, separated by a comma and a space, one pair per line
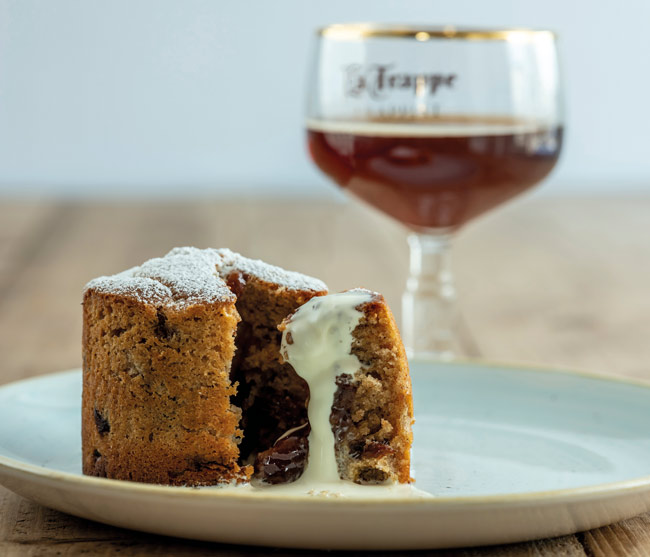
428, 127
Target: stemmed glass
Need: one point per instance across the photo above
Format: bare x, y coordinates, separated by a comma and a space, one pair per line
433, 126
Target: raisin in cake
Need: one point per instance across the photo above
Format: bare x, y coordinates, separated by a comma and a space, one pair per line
181, 361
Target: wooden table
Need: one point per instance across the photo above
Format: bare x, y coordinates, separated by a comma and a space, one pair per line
559, 282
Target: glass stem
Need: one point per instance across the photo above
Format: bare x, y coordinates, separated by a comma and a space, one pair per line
430, 318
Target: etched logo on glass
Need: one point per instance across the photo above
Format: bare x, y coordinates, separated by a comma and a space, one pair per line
380, 80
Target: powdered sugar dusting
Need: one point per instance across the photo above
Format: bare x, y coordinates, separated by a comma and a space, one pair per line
290, 280
180, 278
125, 284
188, 276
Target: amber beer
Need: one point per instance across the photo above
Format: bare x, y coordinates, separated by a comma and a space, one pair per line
435, 172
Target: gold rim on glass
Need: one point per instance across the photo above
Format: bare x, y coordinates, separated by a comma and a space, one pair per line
357, 31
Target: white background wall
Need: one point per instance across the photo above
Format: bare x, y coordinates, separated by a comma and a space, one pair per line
132, 97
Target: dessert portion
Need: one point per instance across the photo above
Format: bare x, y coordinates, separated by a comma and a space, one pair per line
347, 347
183, 383
205, 367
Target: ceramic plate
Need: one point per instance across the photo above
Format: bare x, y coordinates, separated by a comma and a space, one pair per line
509, 455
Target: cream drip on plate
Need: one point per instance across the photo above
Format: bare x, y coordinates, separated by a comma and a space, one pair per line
317, 342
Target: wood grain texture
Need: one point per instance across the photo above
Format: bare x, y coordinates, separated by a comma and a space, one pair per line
559, 283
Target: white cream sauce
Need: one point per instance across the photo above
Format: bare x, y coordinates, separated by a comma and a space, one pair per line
317, 342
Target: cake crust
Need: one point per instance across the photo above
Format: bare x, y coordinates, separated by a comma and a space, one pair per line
156, 395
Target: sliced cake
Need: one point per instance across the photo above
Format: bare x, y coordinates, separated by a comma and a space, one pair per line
206, 367
347, 346
173, 351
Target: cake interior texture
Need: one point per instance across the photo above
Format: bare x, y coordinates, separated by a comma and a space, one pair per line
372, 411
272, 397
186, 386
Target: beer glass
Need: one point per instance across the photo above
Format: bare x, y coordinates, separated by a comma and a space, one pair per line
433, 126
